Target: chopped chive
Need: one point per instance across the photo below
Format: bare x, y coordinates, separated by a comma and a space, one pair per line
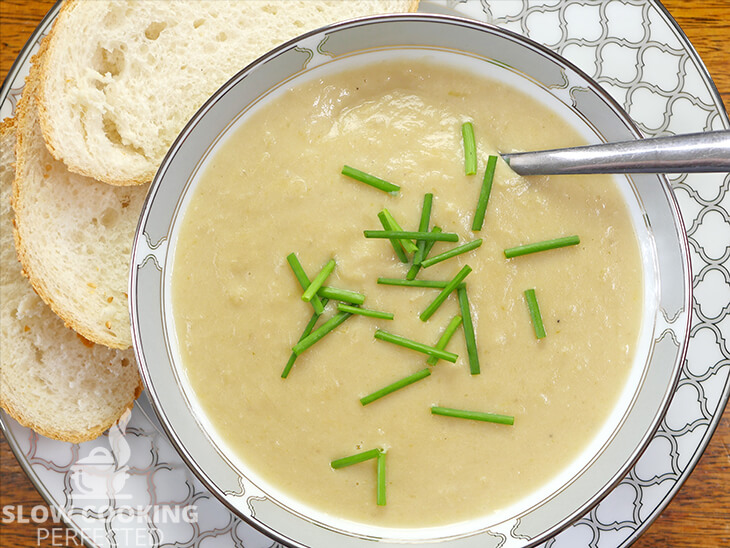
473, 415
345, 295
318, 280
407, 244
364, 311
413, 345
470, 148
435, 284
320, 332
397, 385
368, 179
303, 280
541, 246
397, 245
458, 250
355, 459
445, 338
307, 330
445, 292
534, 308
429, 236
423, 227
413, 271
380, 478
484, 194
469, 337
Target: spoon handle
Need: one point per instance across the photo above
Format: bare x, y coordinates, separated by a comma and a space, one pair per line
693, 153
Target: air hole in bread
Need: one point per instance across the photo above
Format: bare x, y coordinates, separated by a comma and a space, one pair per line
113, 17
125, 362
109, 217
112, 134
108, 62
270, 9
221, 37
198, 23
111, 131
153, 30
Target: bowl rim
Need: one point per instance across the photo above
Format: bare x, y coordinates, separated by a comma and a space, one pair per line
629, 124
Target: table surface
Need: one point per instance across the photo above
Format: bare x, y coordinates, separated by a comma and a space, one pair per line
698, 516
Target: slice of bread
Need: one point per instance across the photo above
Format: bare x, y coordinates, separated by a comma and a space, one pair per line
73, 234
51, 379
122, 78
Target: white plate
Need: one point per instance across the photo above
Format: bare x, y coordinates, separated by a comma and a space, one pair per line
642, 58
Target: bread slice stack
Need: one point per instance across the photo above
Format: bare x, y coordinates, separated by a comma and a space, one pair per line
52, 379
113, 84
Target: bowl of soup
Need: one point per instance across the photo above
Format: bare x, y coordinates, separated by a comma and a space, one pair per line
359, 326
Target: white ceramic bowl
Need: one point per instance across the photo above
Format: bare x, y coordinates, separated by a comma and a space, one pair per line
500, 55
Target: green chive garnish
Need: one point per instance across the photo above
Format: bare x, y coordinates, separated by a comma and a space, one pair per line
445, 338
541, 246
428, 236
434, 284
484, 194
320, 332
397, 245
364, 311
445, 292
473, 415
451, 253
368, 179
307, 330
355, 459
408, 245
397, 385
413, 345
303, 280
318, 280
335, 294
381, 479
413, 271
470, 148
423, 227
534, 308
469, 337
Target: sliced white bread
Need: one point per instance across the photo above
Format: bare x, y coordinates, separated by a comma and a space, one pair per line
51, 379
122, 78
73, 234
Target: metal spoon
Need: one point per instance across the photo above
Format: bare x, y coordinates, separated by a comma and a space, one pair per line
693, 153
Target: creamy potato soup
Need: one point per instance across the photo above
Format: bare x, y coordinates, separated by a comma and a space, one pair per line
275, 187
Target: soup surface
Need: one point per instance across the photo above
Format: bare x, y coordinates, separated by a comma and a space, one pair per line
274, 187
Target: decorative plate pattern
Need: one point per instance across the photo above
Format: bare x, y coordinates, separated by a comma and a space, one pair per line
635, 50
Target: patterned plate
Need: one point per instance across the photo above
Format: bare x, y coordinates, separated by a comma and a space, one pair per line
144, 495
